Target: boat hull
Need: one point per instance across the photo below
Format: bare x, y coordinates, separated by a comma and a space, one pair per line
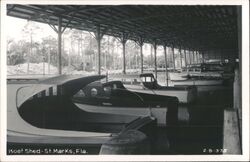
178, 76
158, 113
49, 123
146, 83
185, 95
198, 82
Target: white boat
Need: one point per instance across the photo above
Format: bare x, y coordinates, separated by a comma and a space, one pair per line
205, 75
113, 98
199, 75
178, 76
196, 82
42, 117
146, 83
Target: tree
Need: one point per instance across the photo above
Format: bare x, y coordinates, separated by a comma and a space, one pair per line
49, 51
30, 30
17, 52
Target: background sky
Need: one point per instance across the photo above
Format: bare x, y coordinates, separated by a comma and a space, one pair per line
14, 28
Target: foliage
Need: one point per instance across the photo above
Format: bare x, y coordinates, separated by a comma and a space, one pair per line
79, 51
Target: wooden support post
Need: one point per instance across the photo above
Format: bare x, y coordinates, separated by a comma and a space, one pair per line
190, 54
155, 53
197, 57
98, 37
49, 61
59, 49
200, 54
30, 53
190, 57
173, 57
59, 32
166, 63
99, 49
236, 88
151, 56
180, 57
141, 58
124, 39
140, 43
193, 59
203, 57
185, 57
124, 57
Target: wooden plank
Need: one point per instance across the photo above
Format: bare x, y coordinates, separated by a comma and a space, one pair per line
231, 133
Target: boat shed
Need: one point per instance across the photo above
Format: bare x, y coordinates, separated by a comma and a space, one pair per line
198, 31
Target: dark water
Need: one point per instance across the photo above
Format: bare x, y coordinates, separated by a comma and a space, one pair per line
200, 129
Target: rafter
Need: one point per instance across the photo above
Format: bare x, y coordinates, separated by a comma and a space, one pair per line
216, 26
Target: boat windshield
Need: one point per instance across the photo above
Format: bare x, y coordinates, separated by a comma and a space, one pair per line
147, 79
149, 82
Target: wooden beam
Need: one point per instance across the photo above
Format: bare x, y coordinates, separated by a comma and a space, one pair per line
185, 57
98, 37
180, 57
124, 39
193, 58
190, 56
173, 57
140, 43
59, 33
166, 63
155, 59
196, 55
218, 25
203, 56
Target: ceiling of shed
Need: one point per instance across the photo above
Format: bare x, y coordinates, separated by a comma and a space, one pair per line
191, 27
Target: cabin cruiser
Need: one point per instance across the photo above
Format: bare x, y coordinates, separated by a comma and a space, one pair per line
112, 97
41, 117
146, 83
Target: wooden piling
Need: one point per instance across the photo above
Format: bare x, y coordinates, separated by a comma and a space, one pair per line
231, 133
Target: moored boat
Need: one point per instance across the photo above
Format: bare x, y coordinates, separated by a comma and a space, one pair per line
197, 82
42, 119
112, 97
199, 74
146, 83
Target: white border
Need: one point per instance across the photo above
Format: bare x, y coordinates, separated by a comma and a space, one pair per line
118, 2
245, 87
